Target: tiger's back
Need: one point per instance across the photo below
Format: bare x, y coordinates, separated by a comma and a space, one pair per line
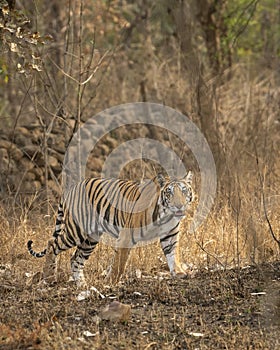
100, 205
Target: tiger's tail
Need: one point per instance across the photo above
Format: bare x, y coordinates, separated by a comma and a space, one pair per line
58, 229
32, 252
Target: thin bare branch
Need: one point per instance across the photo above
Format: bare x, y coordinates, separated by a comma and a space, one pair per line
261, 180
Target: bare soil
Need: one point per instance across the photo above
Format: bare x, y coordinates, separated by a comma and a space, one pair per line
234, 309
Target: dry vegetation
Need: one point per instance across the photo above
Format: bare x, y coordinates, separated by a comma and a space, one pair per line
231, 300
216, 308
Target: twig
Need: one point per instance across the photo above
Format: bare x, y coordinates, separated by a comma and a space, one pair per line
75, 80
264, 202
95, 69
208, 253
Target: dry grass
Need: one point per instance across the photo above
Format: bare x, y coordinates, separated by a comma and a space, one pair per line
165, 315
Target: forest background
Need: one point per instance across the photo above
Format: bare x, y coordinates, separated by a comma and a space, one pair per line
217, 62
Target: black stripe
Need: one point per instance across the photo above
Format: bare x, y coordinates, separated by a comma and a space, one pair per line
168, 249
76, 230
33, 253
65, 241
165, 238
118, 198
107, 213
92, 191
105, 184
128, 196
110, 199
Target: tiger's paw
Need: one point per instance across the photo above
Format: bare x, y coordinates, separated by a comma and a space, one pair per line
181, 272
78, 280
77, 284
181, 275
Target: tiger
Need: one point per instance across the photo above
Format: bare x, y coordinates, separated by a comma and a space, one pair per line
128, 211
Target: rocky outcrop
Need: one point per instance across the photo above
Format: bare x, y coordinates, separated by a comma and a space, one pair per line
31, 160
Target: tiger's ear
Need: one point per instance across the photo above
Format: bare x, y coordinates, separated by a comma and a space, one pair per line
188, 177
160, 179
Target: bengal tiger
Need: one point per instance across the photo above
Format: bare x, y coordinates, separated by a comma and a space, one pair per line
130, 212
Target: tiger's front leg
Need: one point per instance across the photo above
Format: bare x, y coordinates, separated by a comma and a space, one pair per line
170, 245
119, 263
122, 251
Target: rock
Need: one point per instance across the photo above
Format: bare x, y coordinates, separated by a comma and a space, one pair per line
4, 160
116, 311
39, 173
111, 142
58, 154
54, 186
4, 153
31, 150
31, 186
26, 164
95, 163
13, 151
53, 162
29, 177
22, 137
104, 149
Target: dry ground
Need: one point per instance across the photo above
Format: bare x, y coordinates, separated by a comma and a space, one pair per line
212, 310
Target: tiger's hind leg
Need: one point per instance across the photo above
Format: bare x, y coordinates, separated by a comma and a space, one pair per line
59, 243
78, 259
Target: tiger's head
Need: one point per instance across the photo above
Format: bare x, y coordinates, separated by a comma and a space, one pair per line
175, 195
